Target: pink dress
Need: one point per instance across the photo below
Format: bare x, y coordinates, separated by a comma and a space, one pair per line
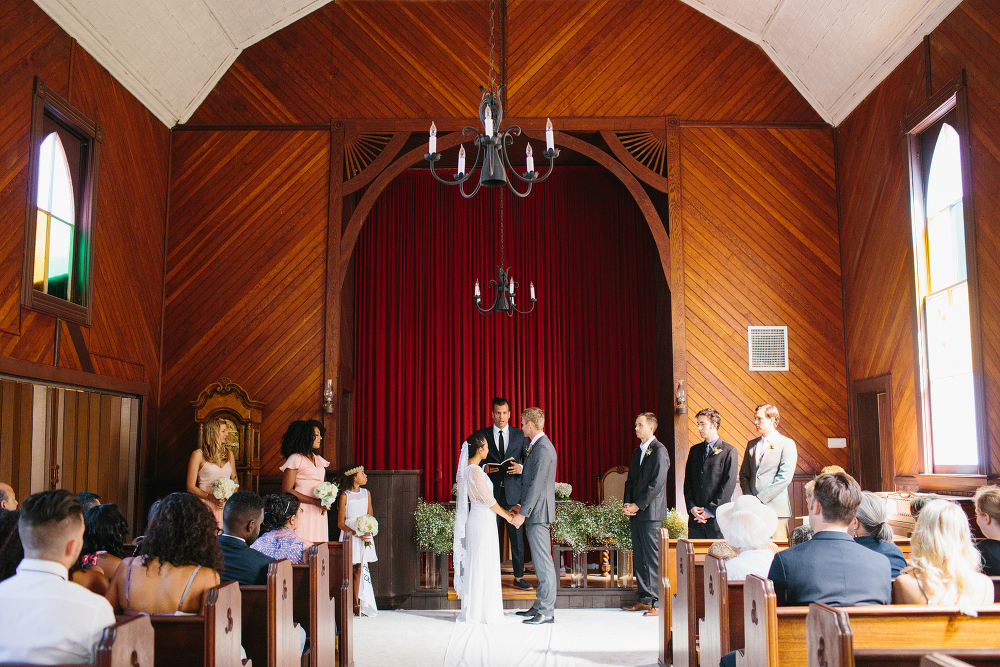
313, 525
207, 476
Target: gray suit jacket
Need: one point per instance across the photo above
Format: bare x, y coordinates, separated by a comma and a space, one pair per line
770, 481
538, 482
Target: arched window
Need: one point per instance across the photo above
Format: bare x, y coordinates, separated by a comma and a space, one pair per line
949, 364
65, 146
55, 226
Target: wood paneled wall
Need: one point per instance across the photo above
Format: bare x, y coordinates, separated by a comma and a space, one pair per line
761, 248
246, 281
566, 58
875, 211
127, 251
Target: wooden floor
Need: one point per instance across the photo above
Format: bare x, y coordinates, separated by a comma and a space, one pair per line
510, 592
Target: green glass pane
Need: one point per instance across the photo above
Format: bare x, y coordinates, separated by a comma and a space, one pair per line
60, 254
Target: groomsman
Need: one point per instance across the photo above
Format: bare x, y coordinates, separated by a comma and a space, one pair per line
646, 507
710, 476
506, 442
768, 466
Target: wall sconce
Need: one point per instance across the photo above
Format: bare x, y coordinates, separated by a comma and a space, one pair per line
680, 399
328, 397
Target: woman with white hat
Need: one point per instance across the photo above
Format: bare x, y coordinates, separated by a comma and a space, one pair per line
747, 524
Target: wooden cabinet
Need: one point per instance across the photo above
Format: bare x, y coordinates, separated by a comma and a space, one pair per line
394, 496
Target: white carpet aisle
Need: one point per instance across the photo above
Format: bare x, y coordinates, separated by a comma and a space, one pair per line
578, 638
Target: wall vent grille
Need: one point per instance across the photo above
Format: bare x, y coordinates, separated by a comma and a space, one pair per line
768, 348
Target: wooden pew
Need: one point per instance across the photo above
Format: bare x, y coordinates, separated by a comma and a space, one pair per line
211, 638
721, 631
269, 633
342, 589
938, 660
128, 643
685, 605
665, 619
313, 606
830, 639
873, 629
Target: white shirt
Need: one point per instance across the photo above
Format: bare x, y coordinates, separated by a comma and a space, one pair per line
756, 561
642, 452
758, 452
535, 439
506, 438
46, 619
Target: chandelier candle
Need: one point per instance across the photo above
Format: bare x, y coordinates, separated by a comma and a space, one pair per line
432, 143
529, 160
461, 160
550, 142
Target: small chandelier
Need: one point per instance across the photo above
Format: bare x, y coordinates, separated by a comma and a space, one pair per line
504, 286
491, 144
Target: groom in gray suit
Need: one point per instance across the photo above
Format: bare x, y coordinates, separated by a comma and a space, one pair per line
538, 507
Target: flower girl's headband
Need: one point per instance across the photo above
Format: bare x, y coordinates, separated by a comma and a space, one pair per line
353, 471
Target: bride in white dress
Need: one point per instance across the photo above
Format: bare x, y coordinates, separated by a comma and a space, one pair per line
476, 549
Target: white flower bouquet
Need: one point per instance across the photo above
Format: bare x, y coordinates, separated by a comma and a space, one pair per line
367, 525
563, 491
454, 490
327, 494
224, 487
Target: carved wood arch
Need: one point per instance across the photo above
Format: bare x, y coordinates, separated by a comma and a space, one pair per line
227, 400
648, 176
375, 167
379, 183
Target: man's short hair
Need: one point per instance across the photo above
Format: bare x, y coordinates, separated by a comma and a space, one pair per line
242, 508
534, 415
47, 519
770, 412
88, 499
713, 416
650, 419
499, 401
800, 534
5, 495
839, 495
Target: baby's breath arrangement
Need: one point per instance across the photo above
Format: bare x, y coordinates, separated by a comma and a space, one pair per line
435, 527
612, 525
573, 525
676, 524
563, 490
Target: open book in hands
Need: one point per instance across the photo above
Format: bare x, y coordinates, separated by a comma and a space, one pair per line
501, 467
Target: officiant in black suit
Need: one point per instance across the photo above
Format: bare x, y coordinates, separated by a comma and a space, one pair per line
710, 476
507, 442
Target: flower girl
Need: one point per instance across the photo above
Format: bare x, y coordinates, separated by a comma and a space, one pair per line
355, 516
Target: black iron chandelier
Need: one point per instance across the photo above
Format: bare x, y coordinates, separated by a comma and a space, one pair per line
491, 144
504, 300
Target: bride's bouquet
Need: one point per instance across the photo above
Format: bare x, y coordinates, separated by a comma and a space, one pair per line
224, 487
367, 525
327, 494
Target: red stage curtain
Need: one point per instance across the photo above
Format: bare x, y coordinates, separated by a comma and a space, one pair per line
427, 363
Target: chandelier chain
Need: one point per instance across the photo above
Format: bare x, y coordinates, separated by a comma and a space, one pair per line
501, 228
493, 43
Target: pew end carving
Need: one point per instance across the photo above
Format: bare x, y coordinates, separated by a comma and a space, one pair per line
269, 634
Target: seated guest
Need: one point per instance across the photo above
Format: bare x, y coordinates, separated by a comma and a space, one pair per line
831, 567
801, 534
11, 551
44, 618
872, 531
747, 524
8, 501
88, 500
178, 561
241, 520
104, 537
278, 538
944, 565
919, 501
814, 571
987, 501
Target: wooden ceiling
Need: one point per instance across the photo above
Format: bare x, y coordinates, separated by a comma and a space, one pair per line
427, 59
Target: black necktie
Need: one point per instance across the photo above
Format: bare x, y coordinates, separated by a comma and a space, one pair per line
501, 445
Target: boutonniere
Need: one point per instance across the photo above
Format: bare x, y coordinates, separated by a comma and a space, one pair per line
770, 445
528, 450
715, 450
649, 450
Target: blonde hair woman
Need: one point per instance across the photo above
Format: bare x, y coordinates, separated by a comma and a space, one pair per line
944, 565
211, 462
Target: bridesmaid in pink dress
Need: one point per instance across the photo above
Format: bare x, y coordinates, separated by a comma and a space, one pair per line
303, 470
210, 463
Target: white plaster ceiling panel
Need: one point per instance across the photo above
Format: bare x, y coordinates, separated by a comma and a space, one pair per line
247, 22
834, 51
162, 51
